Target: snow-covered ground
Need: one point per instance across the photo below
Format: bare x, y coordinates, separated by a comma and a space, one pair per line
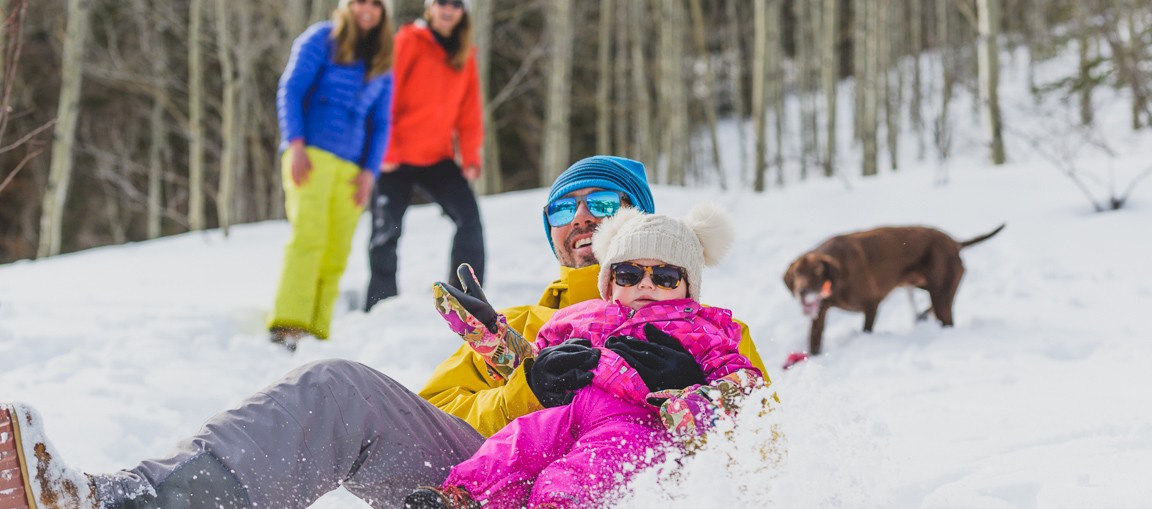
1033, 399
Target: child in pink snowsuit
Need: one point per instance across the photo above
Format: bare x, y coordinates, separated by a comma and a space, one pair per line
574, 455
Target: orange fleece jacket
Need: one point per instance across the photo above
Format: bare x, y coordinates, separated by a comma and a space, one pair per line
432, 102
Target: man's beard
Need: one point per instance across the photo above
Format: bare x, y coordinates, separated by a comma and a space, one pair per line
577, 261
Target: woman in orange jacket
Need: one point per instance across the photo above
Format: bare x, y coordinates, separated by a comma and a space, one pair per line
435, 108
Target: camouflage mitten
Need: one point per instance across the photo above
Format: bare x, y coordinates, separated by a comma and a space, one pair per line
691, 412
469, 315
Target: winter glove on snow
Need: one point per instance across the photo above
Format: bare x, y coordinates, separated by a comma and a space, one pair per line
559, 371
662, 362
469, 315
692, 411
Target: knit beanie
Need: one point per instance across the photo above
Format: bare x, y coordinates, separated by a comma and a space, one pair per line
605, 172
428, 3
701, 239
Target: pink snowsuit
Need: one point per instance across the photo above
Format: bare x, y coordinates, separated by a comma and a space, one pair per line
574, 455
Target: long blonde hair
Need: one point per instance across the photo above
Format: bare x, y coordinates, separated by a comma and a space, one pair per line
347, 36
463, 34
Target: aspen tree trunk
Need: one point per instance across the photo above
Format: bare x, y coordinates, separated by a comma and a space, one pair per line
859, 66
64, 135
228, 124
776, 82
1036, 29
673, 101
1083, 26
296, 17
736, 81
709, 101
244, 204
871, 81
157, 144
556, 128
889, 33
988, 53
5, 11
492, 178
804, 54
621, 121
112, 207
916, 30
942, 128
322, 10
643, 113
1137, 53
195, 116
760, 91
815, 25
604, 78
156, 54
830, 58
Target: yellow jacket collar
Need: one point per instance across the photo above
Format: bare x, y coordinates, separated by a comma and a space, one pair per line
574, 285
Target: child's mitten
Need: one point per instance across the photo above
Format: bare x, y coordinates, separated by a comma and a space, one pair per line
469, 315
692, 411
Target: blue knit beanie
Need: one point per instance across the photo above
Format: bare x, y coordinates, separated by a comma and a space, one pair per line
605, 172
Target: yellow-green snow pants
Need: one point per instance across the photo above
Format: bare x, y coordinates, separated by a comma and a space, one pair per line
323, 217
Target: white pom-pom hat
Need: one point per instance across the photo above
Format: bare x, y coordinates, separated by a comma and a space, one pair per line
701, 239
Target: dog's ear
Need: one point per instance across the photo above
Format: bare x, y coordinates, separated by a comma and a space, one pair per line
831, 268
789, 279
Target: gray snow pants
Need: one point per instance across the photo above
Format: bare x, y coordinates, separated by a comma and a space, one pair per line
327, 424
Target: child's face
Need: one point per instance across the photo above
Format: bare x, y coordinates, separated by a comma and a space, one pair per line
645, 291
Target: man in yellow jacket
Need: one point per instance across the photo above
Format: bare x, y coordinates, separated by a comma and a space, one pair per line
339, 423
581, 197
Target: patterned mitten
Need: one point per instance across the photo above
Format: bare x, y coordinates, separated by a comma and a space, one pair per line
692, 411
469, 315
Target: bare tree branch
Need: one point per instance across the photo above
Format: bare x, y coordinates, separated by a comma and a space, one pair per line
27, 157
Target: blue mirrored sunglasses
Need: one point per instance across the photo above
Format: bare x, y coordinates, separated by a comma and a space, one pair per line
600, 204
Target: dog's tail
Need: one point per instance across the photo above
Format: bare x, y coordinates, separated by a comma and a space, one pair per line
982, 238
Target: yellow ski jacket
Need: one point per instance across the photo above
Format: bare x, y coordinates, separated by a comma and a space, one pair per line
462, 387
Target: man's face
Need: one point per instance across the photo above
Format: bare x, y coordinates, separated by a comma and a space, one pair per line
573, 241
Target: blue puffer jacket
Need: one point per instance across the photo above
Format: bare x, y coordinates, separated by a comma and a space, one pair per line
330, 105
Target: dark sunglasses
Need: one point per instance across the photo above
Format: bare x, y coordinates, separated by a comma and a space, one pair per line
664, 276
600, 204
459, 4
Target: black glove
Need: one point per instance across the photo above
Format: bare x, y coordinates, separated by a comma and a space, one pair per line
471, 297
562, 369
662, 361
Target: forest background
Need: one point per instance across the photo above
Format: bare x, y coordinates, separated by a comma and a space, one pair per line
125, 120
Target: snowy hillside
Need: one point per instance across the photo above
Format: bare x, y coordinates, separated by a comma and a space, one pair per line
1032, 400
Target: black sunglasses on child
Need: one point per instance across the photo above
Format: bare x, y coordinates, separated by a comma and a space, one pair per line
459, 4
664, 276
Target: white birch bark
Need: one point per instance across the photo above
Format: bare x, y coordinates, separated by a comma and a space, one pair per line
760, 92
830, 70
645, 152
988, 59
559, 27
64, 133
229, 133
604, 78
491, 180
674, 104
709, 100
196, 216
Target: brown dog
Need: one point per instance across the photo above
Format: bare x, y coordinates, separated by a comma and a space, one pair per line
856, 271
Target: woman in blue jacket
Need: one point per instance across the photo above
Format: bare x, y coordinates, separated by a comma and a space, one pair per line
333, 103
